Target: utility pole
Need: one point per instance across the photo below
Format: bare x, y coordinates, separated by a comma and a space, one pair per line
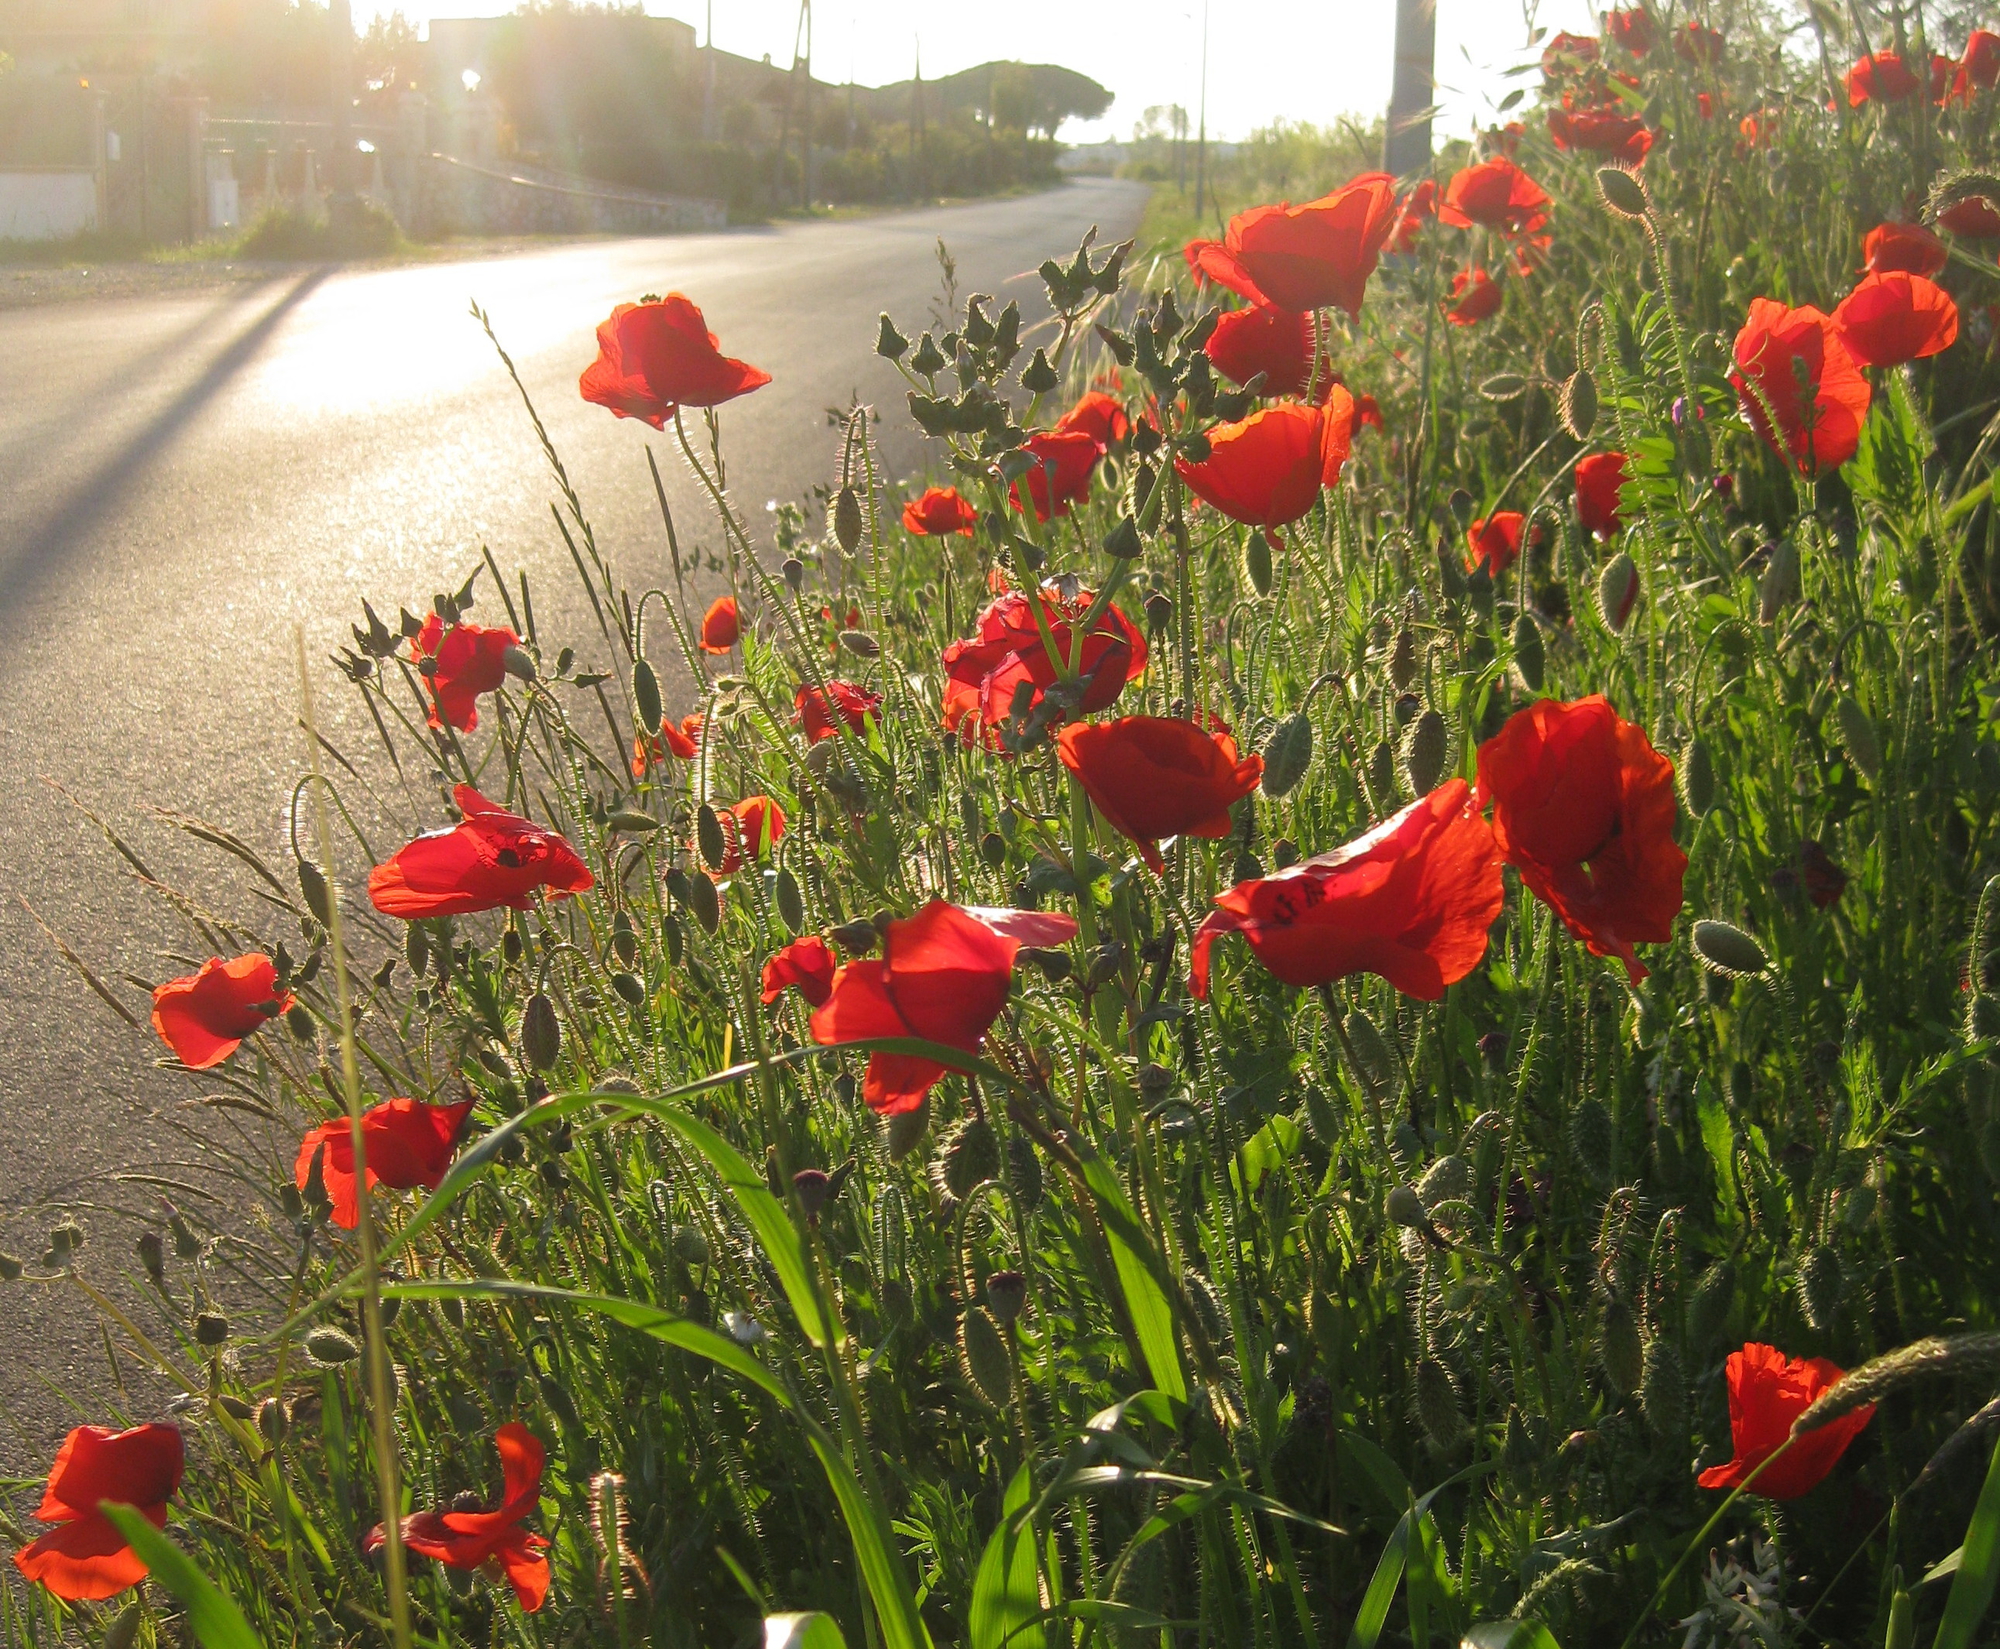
806, 126
1406, 141
1201, 139
708, 88
917, 124
340, 94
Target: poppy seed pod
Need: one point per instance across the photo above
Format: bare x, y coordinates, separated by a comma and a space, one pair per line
541, 1032
1618, 592
1159, 612
1622, 192
1728, 950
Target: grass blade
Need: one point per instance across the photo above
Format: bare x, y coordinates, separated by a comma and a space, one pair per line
1978, 1568
216, 1620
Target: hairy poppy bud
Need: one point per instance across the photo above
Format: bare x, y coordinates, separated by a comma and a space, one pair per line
1592, 1137
857, 937
1530, 662
1406, 1208
1038, 377
516, 662
1857, 736
889, 343
1579, 404
272, 1421
1382, 774
1618, 592
1159, 611
312, 884
905, 1130
1460, 505
299, 1021
646, 698
1123, 542
1403, 660
847, 519
1726, 949
1104, 966
708, 836
1820, 1287
1779, 586
704, 901
1663, 1389
1437, 1408
812, 1187
1257, 563
1006, 1295
1424, 752
1697, 776
984, 1355
628, 988
624, 943
152, 1255
791, 902
1052, 964
969, 1156
690, 1245
860, 643
1622, 192
123, 1632
1451, 571
541, 1032
1623, 1357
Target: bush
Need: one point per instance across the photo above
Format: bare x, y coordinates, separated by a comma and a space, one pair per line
1406, 993
354, 228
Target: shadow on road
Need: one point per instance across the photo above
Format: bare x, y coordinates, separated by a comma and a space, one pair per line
102, 493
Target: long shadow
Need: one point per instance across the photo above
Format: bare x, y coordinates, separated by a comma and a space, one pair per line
100, 495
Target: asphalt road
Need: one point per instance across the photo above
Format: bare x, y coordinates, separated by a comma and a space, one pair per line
184, 479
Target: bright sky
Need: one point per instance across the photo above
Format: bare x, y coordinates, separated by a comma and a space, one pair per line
1302, 59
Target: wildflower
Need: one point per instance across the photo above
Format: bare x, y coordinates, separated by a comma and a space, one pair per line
1496, 194
1367, 413
1319, 255
1602, 129
750, 829
205, 1016
1881, 78
1767, 1392
488, 860
679, 742
1783, 352
1060, 474
1411, 900
1631, 28
1567, 54
1477, 296
407, 1144
1157, 776
943, 976
654, 358
1598, 479
939, 513
1897, 317
1496, 541
1699, 43
984, 671
1906, 246
1973, 218
1263, 338
807, 963
1981, 63
721, 625
817, 712
1267, 470
1211, 260
85, 1557
1583, 807
1100, 416
1413, 211
473, 1540
1824, 880
470, 661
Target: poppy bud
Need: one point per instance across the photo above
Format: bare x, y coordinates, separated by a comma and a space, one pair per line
1728, 950
676, 941
1406, 1208
624, 943
556, 1395
628, 988
1697, 777
1618, 592
860, 643
1424, 752
812, 1187
1382, 774
416, 947
704, 901
516, 662
1619, 1349
1479, 590
646, 698
541, 1032
927, 361
1053, 965
847, 519
1579, 404
1530, 662
969, 1156
690, 1245
1104, 966
272, 1421
708, 835
1038, 378
1592, 1137
889, 343
1857, 736
1451, 573
1159, 612
1257, 562
299, 1021
1779, 585
1819, 1286
1287, 753
187, 1245
1123, 542
1504, 386
1438, 1413
1460, 505
1663, 1389
1403, 660
984, 1355
791, 902
152, 1255
1622, 192
905, 1130
312, 884
1195, 447
857, 937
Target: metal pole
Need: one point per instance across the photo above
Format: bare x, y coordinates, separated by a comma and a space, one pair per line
1406, 142
340, 90
708, 89
1201, 140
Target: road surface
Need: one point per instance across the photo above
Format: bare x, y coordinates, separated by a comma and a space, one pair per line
184, 479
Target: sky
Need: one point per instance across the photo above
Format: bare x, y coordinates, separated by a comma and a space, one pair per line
1314, 60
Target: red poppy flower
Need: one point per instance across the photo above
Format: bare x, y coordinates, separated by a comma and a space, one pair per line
1631, 28
1567, 53
983, 672
1319, 255
1275, 342
1100, 416
1756, 131
1598, 479
939, 513
1948, 81
1060, 475
1698, 43
1973, 218
750, 829
1602, 129
1824, 879
488, 860
1981, 62
470, 661
1156, 776
1704, 104
1412, 901
408, 1145
1767, 1392
205, 1016
1495, 194
1367, 413
1897, 317
721, 625
473, 1540
680, 742
1777, 350
807, 963
1496, 541
1476, 296
1267, 470
1583, 807
654, 358
1881, 78
1416, 209
1211, 260
851, 703
1906, 246
85, 1557
943, 976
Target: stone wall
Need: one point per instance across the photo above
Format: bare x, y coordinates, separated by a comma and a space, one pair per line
462, 197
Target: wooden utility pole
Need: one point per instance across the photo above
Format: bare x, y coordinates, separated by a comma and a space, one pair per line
340, 94
1406, 141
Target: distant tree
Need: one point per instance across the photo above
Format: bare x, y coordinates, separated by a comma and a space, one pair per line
1161, 122
1031, 97
390, 56
574, 77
